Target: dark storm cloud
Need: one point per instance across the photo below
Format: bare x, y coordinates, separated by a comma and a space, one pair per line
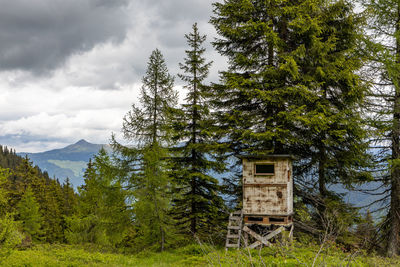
39, 35
178, 10
171, 20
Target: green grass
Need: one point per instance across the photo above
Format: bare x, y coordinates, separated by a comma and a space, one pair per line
194, 255
77, 167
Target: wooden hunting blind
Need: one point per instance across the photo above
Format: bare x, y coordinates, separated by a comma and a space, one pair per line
267, 190
267, 202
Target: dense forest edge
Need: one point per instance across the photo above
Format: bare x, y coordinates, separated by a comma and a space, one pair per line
315, 79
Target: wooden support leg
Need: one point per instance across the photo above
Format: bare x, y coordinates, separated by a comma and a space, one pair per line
245, 239
261, 240
291, 233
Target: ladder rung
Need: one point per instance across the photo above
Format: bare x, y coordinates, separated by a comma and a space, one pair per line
234, 229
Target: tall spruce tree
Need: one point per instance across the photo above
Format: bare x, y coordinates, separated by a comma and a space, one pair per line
29, 215
197, 203
148, 126
384, 29
292, 86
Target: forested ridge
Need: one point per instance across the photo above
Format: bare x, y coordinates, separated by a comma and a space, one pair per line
315, 79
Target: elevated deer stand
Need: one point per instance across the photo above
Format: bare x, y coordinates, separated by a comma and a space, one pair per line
267, 213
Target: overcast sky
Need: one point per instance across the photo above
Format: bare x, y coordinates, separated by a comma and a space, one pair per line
70, 69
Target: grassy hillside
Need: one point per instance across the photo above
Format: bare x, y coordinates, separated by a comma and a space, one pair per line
195, 255
70, 161
77, 167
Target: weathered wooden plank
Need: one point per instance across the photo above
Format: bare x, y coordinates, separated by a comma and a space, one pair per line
255, 244
265, 185
232, 227
274, 233
267, 194
245, 239
256, 236
232, 245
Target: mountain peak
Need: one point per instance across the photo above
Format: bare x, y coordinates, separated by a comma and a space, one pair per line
82, 142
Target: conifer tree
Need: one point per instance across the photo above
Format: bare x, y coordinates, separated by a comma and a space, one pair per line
145, 163
102, 216
197, 201
29, 215
10, 237
153, 200
47, 193
51, 206
69, 198
148, 123
292, 86
384, 73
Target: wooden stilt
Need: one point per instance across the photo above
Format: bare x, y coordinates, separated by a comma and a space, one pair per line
245, 239
291, 233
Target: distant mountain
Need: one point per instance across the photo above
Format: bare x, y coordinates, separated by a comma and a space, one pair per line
70, 161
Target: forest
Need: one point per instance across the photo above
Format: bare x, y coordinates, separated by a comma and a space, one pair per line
315, 79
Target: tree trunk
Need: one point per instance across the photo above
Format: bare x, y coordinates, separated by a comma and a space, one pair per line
394, 219
193, 223
394, 216
162, 240
154, 137
321, 173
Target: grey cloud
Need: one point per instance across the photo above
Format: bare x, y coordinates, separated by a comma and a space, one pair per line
178, 10
39, 35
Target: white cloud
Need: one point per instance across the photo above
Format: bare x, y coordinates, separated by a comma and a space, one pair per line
89, 93
63, 116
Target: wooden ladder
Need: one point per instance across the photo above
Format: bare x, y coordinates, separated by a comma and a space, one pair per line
234, 230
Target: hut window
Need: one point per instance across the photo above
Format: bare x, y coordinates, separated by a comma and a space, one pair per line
264, 169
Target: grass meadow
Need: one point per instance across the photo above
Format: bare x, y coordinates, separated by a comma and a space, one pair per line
196, 255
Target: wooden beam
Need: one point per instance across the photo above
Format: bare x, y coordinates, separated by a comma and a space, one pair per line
274, 233
255, 244
291, 232
256, 236
265, 185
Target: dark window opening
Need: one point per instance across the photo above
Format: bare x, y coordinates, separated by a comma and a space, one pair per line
272, 219
268, 169
255, 219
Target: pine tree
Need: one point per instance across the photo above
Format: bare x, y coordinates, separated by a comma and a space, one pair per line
102, 216
148, 123
29, 215
293, 86
69, 198
10, 237
153, 201
197, 200
384, 48
47, 193
51, 202
145, 162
